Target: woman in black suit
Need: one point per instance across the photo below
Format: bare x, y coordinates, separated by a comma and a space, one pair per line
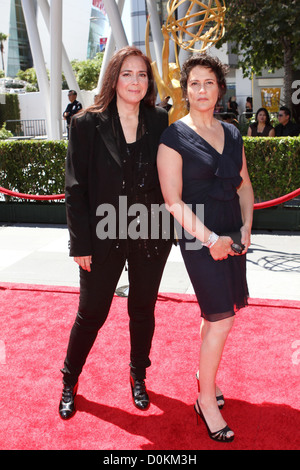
111, 176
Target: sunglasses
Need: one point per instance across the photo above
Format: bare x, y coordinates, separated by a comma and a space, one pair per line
280, 115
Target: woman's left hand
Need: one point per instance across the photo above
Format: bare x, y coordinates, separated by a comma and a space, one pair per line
246, 238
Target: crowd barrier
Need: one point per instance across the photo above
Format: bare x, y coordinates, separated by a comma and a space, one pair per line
259, 205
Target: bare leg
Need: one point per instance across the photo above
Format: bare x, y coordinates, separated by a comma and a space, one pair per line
203, 330
214, 336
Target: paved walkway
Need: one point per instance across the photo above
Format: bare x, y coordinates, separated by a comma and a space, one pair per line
32, 254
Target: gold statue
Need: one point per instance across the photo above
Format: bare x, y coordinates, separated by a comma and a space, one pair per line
169, 84
211, 29
211, 23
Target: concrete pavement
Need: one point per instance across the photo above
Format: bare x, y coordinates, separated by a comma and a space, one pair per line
38, 254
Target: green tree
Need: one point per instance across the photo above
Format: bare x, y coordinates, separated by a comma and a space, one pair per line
3, 38
4, 133
87, 71
265, 34
29, 76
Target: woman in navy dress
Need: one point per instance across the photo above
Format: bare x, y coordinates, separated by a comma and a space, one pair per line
201, 164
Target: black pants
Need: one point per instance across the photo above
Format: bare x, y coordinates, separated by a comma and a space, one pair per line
96, 293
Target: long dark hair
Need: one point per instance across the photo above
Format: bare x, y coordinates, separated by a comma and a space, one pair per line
110, 79
266, 113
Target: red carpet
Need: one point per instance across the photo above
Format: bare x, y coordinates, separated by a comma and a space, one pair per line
259, 376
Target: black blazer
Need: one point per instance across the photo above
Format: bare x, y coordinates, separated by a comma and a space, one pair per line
94, 175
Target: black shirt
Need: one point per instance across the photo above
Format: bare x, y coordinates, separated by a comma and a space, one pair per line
72, 109
290, 129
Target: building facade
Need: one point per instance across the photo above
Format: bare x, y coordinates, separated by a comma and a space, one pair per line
85, 32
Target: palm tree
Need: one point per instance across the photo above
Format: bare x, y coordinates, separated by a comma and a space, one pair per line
3, 38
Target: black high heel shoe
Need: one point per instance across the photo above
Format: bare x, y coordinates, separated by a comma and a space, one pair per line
139, 394
221, 435
67, 403
219, 398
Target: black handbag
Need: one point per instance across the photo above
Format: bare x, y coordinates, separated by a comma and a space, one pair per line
237, 245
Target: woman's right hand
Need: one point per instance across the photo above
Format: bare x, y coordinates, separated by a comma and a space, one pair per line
84, 262
222, 248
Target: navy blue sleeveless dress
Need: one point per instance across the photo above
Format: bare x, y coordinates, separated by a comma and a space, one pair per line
211, 179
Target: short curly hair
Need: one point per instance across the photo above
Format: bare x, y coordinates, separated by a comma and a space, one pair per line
204, 60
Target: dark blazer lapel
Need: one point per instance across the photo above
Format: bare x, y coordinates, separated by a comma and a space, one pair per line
105, 130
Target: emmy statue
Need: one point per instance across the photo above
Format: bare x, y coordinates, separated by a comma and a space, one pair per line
203, 24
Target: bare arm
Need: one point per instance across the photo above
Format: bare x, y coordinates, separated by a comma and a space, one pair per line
272, 133
246, 196
169, 163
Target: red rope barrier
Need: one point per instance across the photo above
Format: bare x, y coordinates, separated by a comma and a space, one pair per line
259, 205
30, 196
279, 200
